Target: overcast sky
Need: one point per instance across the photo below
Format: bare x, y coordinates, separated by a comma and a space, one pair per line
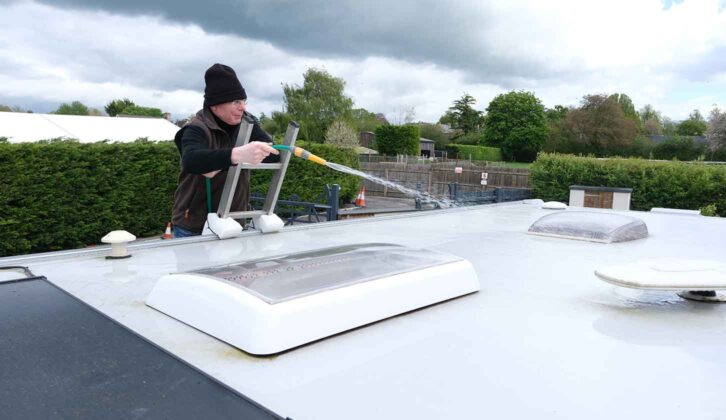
393, 55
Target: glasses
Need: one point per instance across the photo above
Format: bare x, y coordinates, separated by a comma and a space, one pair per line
239, 102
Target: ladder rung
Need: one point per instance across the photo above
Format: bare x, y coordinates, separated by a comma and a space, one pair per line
260, 166
244, 214
273, 191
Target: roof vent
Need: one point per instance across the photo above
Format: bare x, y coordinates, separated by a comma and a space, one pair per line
590, 226
274, 304
554, 205
697, 279
118, 240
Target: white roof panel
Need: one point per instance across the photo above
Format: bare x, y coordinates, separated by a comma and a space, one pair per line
544, 338
23, 127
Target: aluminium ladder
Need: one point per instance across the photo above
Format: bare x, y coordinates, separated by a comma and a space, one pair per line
273, 192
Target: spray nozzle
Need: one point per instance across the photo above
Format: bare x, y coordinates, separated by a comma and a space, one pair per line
300, 152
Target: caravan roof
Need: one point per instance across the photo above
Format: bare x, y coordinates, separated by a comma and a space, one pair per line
544, 338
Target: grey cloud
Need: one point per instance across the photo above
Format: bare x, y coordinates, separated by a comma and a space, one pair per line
705, 67
416, 31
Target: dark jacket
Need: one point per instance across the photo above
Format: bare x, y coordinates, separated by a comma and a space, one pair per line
190, 198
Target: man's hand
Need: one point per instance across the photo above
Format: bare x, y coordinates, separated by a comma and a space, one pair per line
252, 152
211, 174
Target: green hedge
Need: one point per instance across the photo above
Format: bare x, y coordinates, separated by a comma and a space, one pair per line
655, 184
679, 147
464, 151
393, 140
62, 194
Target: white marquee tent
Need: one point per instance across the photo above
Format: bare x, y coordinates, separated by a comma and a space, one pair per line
21, 127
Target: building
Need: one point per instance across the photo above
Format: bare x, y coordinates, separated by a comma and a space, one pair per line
20, 127
367, 139
426, 147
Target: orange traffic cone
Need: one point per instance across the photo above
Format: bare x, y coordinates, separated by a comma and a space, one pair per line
167, 233
360, 201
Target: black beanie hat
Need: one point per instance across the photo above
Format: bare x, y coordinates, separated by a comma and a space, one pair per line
222, 85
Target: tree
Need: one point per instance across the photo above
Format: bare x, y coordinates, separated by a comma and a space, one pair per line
363, 120
143, 111
276, 124
652, 120
626, 105
447, 118
74, 108
516, 123
15, 108
557, 113
341, 135
463, 115
599, 126
555, 120
695, 125
317, 103
669, 127
716, 133
648, 112
652, 127
117, 106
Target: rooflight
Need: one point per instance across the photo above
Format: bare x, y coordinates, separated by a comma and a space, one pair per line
270, 305
590, 226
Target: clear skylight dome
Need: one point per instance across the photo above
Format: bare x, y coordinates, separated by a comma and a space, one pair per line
291, 276
590, 226
274, 304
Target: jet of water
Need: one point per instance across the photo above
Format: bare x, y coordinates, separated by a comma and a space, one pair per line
423, 196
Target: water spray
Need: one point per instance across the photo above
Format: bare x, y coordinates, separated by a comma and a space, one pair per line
423, 196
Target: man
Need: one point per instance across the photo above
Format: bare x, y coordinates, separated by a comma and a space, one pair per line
206, 146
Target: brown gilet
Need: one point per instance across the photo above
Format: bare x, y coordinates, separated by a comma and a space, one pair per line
190, 198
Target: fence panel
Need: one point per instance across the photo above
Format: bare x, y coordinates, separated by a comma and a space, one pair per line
434, 177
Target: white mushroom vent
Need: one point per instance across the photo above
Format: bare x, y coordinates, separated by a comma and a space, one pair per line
118, 240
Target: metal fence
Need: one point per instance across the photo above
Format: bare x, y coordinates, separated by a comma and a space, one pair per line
434, 177
294, 210
371, 158
497, 195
